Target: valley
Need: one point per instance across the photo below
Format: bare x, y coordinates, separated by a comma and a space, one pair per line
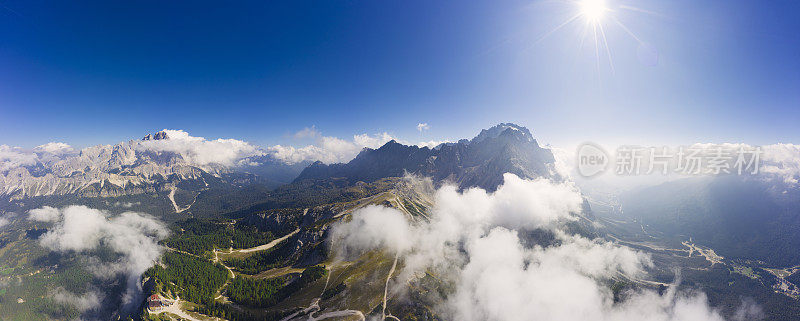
683, 261
224, 246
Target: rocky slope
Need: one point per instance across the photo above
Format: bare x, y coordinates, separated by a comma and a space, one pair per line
481, 162
152, 164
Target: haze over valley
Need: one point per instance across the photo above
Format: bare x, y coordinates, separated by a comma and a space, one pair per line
487, 228
489, 160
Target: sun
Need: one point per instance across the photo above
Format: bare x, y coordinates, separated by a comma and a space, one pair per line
593, 10
596, 16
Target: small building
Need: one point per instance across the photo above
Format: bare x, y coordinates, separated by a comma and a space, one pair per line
155, 303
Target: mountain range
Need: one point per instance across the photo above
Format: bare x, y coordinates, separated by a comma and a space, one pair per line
200, 230
149, 165
153, 165
479, 162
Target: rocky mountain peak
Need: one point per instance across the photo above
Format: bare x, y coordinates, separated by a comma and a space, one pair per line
482, 161
504, 129
156, 136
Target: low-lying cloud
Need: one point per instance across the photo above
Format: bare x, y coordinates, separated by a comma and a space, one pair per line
54, 148
12, 157
62, 159
6, 218
478, 241
80, 229
200, 151
778, 164
82, 302
327, 149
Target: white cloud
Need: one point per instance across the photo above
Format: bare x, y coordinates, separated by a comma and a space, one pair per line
82, 229
200, 151
372, 141
126, 204
375, 227
6, 218
783, 161
748, 310
87, 301
422, 127
432, 143
328, 149
54, 148
45, 214
13, 157
473, 238
197, 151
308, 132
776, 162
564, 161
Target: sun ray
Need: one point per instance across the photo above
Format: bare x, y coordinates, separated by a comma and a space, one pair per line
626, 29
596, 15
562, 25
596, 48
632, 8
608, 49
583, 35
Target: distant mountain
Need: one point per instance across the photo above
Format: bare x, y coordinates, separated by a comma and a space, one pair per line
153, 164
481, 161
205, 175
746, 217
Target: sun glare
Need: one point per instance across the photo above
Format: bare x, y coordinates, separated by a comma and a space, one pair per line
593, 10
596, 16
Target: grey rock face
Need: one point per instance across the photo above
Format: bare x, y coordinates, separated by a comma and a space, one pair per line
157, 136
129, 168
481, 162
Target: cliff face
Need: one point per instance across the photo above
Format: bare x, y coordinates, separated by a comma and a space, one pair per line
129, 168
145, 166
481, 162
101, 171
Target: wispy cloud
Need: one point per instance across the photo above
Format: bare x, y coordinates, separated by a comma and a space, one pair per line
81, 229
12, 157
201, 151
327, 149
83, 302
422, 127
54, 148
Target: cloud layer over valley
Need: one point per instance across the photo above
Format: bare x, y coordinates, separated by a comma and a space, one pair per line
132, 236
512, 254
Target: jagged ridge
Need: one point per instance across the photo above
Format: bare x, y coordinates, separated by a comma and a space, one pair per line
481, 162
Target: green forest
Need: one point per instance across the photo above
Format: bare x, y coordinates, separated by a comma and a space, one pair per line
200, 236
193, 279
268, 292
264, 260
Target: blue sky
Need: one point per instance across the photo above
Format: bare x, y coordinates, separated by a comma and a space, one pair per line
100, 72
